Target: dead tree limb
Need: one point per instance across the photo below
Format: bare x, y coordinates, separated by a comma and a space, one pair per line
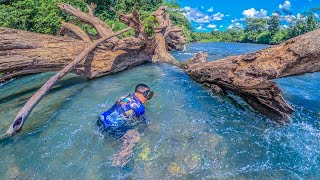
133, 20
163, 39
22, 116
102, 28
65, 26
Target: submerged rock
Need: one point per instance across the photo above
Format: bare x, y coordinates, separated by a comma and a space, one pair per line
192, 161
175, 169
144, 154
13, 172
125, 153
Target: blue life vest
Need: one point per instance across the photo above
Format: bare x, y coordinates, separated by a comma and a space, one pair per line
125, 110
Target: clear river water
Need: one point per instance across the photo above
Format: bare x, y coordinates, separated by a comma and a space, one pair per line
194, 134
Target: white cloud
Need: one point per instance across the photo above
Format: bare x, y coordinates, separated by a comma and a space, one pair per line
195, 15
221, 26
292, 18
211, 26
316, 15
288, 18
286, 5
187, 8
235, 25
299, 16
252, 13
210, 9
249, 12
275, 14
218, 16
284, 27
201, 28
204, 19
216, 29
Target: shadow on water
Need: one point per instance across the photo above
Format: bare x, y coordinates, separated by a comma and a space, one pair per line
62, 84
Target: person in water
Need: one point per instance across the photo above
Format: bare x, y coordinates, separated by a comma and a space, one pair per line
126, 112
120, 119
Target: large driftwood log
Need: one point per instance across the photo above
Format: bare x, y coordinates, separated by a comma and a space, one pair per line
250, 76
23, 52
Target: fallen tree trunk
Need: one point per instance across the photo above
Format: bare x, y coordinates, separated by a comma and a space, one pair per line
22, 116
250, 76
23, 52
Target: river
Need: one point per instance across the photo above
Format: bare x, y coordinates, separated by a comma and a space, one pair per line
193, 133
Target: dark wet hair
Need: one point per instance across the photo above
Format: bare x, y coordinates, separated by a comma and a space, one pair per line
141, 87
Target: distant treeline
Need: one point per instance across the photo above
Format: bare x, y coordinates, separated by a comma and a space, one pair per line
261, 30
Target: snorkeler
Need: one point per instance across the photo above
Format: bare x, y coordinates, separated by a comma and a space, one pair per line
120, 119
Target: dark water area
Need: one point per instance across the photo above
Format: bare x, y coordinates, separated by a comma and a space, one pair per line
193, 134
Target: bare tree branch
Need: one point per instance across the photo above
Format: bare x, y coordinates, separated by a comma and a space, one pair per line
76, 30
102, 28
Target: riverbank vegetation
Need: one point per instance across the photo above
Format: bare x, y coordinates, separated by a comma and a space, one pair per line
261, 30
43, 16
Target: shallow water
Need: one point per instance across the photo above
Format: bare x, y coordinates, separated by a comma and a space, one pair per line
193, 133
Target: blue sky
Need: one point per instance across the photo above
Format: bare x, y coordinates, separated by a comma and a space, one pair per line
209, 15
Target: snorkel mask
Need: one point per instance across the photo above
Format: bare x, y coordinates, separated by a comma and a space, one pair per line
147, 94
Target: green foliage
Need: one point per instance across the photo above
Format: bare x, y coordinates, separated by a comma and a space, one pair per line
264, 37
303, 26
172, 4
103, 6
274, 24
256, 24
39, 16
44, 16
149, 24
125, 6
279, 37
187, 33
